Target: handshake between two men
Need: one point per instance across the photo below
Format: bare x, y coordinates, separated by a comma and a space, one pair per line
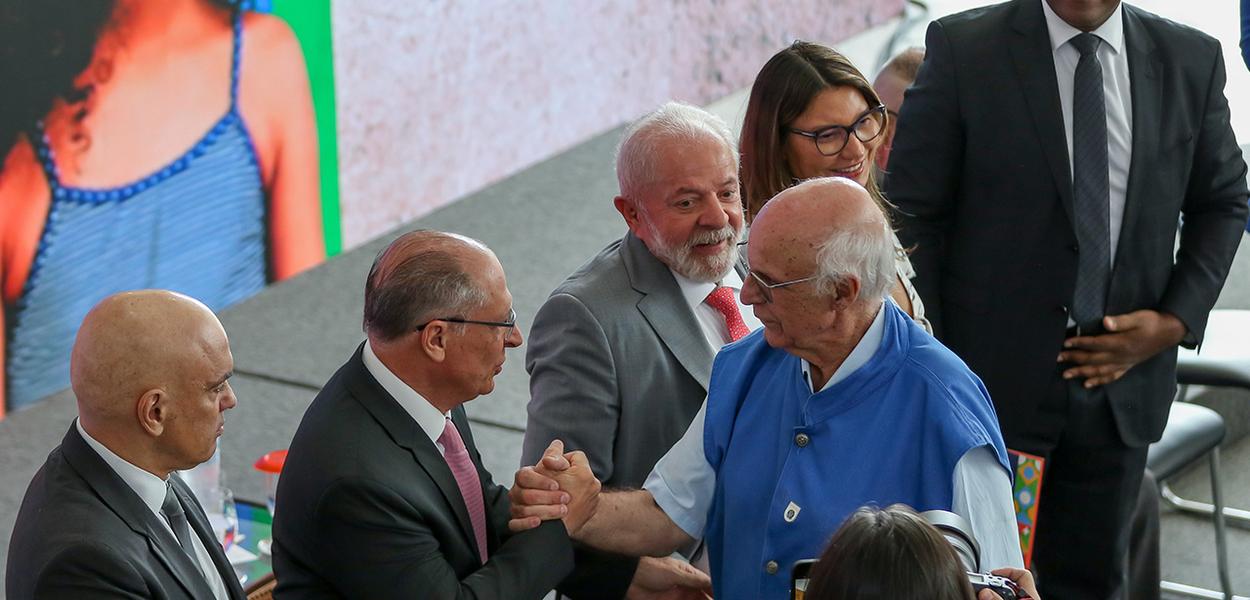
562, 486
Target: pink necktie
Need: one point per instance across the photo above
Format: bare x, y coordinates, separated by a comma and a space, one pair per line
722, 299
462, 468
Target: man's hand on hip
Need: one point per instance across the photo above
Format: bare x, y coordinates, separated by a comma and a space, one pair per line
1130, 339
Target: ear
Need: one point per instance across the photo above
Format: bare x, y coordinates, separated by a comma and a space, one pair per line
152, 409
629, 210
433, 340
846, 291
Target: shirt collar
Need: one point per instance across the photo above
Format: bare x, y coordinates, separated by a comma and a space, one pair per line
696, 292
150, 488
428, 418
1111, 32
860, 354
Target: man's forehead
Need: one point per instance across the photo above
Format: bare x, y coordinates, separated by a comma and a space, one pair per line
693, 171
779, 250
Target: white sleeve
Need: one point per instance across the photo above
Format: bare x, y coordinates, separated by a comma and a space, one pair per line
683, 482
983, 496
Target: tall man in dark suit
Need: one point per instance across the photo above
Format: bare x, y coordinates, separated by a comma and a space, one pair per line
383, 494
1043, 159
103, 518
621, 352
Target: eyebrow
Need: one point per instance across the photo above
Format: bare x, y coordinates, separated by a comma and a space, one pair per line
694, 190
218, 382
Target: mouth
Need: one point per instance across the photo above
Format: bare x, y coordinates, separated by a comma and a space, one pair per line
711, 248
852, 172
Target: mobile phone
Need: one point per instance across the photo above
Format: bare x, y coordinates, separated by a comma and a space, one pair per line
800, 575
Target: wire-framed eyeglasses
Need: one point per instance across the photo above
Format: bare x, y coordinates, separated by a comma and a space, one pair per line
833, 139
766, 289
509, 324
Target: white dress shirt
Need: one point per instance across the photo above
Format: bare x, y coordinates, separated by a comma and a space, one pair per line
428, 418
1119, 100
151, 490
684, 484
711, 321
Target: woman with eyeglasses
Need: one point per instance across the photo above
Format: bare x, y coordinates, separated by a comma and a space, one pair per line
813, 114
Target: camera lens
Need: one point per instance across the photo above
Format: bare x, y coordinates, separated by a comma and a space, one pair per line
958, 533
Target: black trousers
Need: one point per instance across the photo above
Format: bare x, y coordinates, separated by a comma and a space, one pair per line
1144, 571
1090, 488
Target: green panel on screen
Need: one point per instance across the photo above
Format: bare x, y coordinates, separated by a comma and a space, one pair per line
311, 21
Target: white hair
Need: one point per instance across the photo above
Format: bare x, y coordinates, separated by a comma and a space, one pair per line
865, 252
635, 156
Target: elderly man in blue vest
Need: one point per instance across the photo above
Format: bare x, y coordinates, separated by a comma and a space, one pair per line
839, 401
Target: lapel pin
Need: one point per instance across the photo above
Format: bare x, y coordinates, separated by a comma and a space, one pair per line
792, 512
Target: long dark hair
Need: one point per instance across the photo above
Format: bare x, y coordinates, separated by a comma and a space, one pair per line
44, 45
781, 92
888, 554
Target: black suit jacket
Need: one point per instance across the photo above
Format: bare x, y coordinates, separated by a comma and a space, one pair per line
367, 508
980, 172
83, 533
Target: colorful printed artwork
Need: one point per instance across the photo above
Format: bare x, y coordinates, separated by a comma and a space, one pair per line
1026, 489
155, 145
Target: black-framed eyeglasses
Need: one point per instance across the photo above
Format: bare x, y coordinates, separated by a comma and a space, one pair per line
766, 289
509, 324
833, 139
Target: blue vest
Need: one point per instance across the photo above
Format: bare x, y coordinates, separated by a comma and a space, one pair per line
890, 432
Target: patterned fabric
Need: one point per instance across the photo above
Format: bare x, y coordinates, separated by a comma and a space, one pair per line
465, 472
902, 265
195, 226
722, 299
1091, 190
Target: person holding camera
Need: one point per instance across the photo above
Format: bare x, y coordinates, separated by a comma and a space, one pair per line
895, 553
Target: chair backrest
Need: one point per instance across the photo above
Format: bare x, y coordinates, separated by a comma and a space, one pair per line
262, 589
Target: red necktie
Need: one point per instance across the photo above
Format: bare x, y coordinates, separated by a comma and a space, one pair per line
722, 299
462, 468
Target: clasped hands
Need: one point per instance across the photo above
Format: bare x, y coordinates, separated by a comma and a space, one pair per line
560, 486
1130, 339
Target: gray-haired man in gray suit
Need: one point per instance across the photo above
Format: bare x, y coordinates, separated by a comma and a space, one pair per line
620, 354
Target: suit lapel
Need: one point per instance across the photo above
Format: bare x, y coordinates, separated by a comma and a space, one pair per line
408, 435
665, 309
1035, 68
1146, 88
130, 508
199, 525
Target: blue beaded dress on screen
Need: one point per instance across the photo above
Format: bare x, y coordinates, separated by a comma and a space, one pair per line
196, 226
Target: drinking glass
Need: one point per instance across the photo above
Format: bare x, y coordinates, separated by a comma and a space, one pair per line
223, 516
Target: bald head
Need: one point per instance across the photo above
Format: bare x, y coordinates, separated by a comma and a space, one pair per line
833, 224
134, 341
420, 274
149, 371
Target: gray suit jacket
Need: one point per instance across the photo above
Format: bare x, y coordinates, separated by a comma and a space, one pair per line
618, 368
82, 533
618, 365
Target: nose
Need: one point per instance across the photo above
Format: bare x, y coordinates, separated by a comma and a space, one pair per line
513, 339
855, 149
751, 294
230, 400
714, 215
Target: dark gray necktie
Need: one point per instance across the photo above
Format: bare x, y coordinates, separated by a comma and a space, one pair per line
1090, 187
172, 509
